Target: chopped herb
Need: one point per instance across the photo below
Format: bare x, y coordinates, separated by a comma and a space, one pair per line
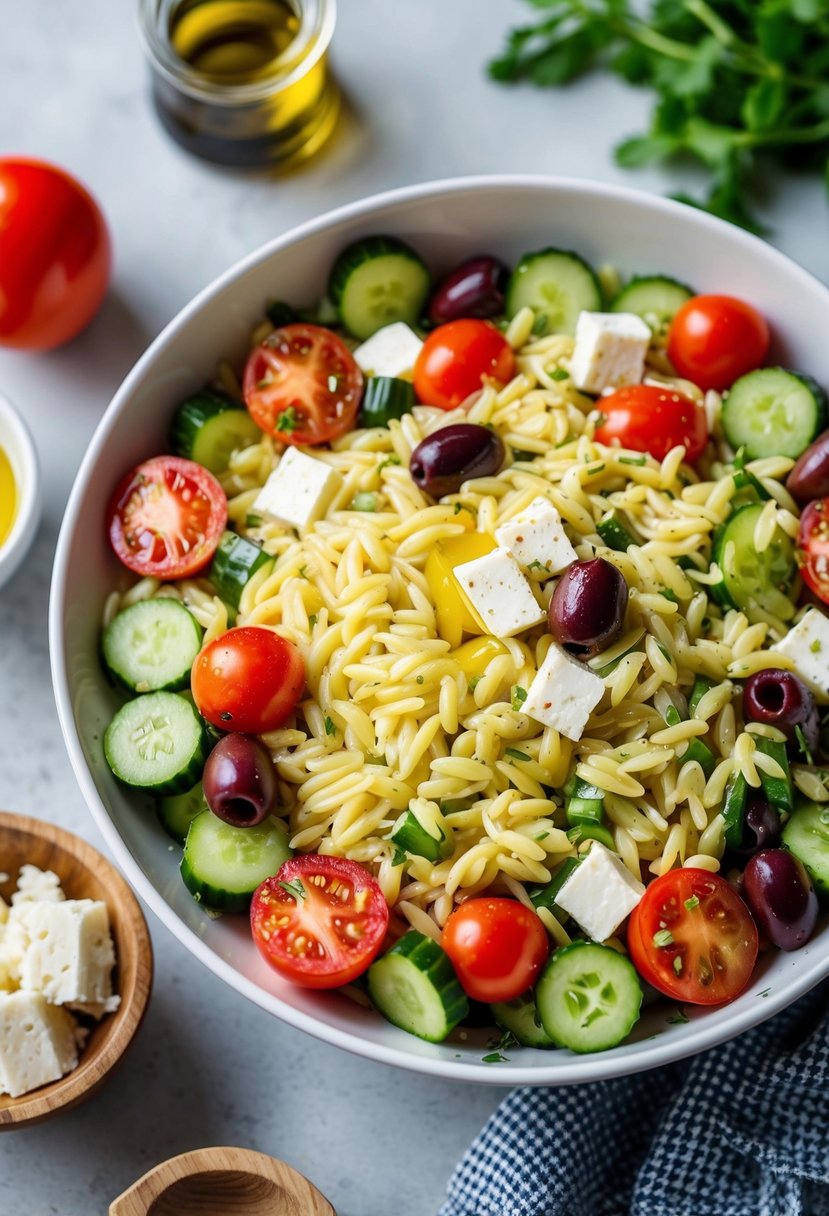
559, 373
541, 836
669, 595
494, 1057
663, 937
680, 1018
739, 460
312, 620
537, 565
474, 682
802, 744
330, 728
370, 759
599, 418
597, 468
458, 508
664, 650
506, 1041
303, 572
514, 754
399, 857
519, 696
385, 464
816, 646
678, 965
637, 460
692, 902
765, 992
539, 324
253, 521
295, 888
419, 679
364, 501
288, 420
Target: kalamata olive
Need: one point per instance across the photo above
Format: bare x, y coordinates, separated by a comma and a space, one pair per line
587, 610
809, 479
762, 827
777, 889
443, 461
239, 781
779, 698
473, 289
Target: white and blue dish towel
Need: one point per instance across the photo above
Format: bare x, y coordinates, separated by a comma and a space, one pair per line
742, 1130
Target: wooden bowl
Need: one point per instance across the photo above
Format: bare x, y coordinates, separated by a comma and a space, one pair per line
84, 874
222, 1182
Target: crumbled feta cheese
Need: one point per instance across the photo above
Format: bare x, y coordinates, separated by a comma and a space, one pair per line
609, 351
69, 954
536, 538
392, 351
299, 490
600, 893
563, 694
37, 886
499, 593
37, 1042
807, 645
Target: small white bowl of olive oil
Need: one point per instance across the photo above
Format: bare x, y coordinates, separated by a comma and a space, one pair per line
19, 490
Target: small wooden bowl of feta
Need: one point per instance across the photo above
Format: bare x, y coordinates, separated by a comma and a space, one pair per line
76, 969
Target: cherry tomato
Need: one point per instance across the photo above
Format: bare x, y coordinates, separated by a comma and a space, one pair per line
55, 255
455, 357
497, 947
692, 937
248, 680
713, 340
167, 517
650, 419
319, 921
301, 385
813, 548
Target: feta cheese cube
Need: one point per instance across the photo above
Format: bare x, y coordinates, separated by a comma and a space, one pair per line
536, 538
69, 953
299, 490
34, 885
600, 893
610, 350
500, 593
392, 351
37, 1042
563, 694
807, 645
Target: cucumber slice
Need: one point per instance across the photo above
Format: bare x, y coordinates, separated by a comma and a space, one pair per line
615, 532
156, 742
409, 833
236, 561
773, 412
702, 685
208, 428
178, 811
279, 313
778, 790
588, 997
654, 297
701, 752
222, 866
377, 281
415, 988
385, 397
752, 580
151, 645
557, 285
545, 897
734, 810
807, 836
520, 1018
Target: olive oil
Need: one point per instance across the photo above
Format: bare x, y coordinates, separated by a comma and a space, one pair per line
243, 82
8, 497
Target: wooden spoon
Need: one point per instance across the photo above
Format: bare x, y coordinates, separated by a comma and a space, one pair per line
222, 1182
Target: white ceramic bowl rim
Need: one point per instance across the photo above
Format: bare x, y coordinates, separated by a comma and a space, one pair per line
17, 442
570, 1069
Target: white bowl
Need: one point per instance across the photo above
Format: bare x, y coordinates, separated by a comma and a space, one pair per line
445, 221
17, 443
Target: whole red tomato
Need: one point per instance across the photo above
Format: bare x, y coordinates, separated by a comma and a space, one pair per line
645, 418
248, 679
454, 359
497, 947
715, 339
55, 255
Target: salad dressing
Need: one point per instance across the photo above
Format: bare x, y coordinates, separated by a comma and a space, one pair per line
8, 497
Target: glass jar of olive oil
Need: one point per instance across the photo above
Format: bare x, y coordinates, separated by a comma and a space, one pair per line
242, 82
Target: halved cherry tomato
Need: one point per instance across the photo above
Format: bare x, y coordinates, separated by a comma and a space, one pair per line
301, 385
650, 419
497, 947
166, 517
248, 680
715, 339
455, 357
813, 547
55, 256
692, 937
319, 921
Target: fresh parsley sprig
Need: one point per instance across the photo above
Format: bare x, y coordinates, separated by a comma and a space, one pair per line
735, 80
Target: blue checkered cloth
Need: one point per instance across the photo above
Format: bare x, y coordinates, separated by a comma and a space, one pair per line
742, 1130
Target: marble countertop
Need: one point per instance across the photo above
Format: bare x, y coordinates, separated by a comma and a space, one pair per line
208, 1067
